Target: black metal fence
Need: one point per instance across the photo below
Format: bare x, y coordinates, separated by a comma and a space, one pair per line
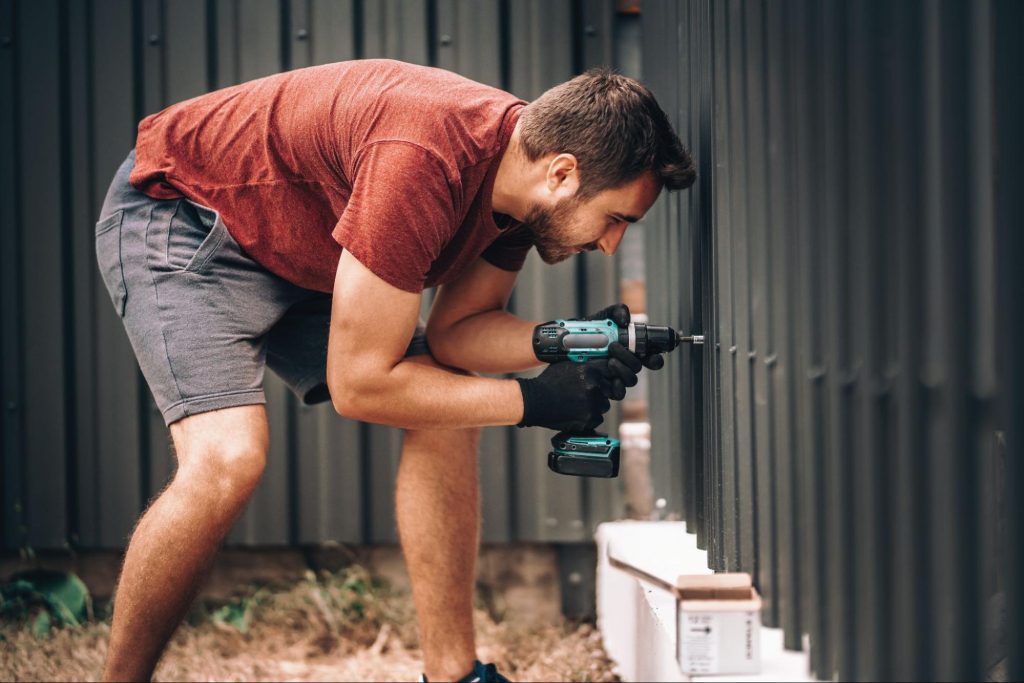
851, 431
83, 447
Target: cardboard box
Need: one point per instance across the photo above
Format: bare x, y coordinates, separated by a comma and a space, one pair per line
718, 624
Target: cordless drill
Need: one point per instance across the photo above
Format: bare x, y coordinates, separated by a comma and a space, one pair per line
596, 455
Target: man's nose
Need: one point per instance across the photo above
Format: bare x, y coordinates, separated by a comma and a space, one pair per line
609, 242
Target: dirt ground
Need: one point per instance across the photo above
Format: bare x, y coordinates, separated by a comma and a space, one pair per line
346, 626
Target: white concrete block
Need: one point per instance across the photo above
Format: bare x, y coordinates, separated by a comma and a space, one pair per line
637, 618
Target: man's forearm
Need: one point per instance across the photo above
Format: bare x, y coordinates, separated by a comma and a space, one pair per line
494, 341
418, 396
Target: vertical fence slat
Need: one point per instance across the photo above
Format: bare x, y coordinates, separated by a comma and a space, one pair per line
864, 276
840, 376
11, 429
1008, 24
740, 270
111, 498
469, 39
396, 29
83, 263
986, 434
706, 471
658, 22
331, 31
808, 138
684, 384
705, 319
782, 250
721, 340
40, 198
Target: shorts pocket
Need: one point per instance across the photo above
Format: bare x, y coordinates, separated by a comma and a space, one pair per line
108, 258
193, 237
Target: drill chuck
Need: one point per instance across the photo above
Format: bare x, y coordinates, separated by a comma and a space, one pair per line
646, 340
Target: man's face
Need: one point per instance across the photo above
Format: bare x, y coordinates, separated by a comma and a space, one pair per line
569, 226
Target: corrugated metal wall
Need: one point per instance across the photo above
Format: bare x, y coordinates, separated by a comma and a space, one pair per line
83, 446
851, 432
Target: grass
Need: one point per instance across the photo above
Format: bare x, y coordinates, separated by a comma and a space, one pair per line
345, 625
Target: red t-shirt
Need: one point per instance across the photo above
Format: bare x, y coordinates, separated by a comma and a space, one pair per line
393, 162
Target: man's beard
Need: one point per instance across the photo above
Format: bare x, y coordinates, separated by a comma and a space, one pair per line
551, 229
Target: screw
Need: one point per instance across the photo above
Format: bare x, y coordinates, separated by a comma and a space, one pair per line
154, 39
590, 30
575, 578
446, 39
301, 34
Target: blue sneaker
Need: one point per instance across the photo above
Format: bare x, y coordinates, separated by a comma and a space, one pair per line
481, 673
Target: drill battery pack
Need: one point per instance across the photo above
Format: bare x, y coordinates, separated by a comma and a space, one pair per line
594, 455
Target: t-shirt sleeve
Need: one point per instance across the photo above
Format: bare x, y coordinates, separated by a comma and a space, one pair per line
400, 215
509, 251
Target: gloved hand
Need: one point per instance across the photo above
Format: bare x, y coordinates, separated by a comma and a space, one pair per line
619, 314
567, 396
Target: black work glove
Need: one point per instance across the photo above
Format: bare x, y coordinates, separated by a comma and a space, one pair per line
567, 396
619, 314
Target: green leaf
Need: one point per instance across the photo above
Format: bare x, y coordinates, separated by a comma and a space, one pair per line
236, 615
42, 625
64, 595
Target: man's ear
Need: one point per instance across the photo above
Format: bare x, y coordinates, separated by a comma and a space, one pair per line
563, 175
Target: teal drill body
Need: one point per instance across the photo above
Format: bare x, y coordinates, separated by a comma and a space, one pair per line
595, 455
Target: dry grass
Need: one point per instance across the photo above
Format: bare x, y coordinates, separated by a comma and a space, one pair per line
345, 626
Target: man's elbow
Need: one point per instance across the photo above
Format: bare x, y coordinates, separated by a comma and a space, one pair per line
348, 399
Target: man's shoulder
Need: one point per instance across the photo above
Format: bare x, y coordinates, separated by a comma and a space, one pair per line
455, 118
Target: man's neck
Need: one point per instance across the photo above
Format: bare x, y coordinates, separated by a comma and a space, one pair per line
510, 178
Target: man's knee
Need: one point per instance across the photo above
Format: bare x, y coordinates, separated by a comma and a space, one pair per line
222, 452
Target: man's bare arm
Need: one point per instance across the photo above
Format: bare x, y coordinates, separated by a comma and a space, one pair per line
371, 325
469, 327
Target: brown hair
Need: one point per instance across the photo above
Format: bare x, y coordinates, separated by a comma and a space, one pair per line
613, 126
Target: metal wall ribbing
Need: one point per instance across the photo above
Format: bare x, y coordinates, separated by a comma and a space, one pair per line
851, 252
83, 446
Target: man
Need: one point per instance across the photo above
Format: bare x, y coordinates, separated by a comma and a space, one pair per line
294, 221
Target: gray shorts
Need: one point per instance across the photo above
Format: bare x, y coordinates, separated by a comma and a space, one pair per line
203, 318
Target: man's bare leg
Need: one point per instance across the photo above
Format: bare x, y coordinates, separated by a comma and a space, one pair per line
438, 510
221, 455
